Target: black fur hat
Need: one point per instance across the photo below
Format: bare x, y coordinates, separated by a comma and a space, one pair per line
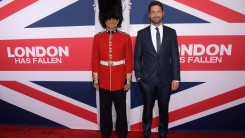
110, 9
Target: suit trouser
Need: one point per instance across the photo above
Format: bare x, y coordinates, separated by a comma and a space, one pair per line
119, 99
150, 93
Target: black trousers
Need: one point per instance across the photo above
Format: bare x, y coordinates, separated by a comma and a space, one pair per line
119, 99
150, 93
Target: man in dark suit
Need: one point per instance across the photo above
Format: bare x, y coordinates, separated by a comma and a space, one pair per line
157, 67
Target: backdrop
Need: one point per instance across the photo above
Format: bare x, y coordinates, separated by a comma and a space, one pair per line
45, 63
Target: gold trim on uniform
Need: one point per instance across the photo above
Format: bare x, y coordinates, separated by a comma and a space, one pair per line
129, 78
95, 78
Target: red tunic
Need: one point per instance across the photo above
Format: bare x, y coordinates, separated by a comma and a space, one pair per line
112, 47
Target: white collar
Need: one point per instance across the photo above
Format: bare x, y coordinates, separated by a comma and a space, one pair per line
153, 27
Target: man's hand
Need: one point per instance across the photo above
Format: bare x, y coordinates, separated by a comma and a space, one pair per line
96, 86
126, 87
175, 85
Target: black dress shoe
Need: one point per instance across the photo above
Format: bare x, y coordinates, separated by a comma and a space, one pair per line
162, 136
122, 136
146, 136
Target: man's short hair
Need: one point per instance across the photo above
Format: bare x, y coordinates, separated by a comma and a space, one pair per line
153, 3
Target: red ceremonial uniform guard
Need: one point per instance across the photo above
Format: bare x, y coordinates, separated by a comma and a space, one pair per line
112, 68
112, 59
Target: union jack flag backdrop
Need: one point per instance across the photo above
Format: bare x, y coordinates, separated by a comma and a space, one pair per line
45, 63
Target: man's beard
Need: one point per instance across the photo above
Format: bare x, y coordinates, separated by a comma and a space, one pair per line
156, 22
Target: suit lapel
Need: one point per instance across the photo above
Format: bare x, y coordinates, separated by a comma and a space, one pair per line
151, 43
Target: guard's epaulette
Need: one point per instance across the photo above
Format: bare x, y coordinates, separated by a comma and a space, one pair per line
123, 32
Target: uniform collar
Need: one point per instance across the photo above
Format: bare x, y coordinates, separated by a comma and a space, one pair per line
111, 32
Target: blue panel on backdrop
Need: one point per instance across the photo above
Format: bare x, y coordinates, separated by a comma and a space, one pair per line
231, 119
139, 14
136, 96
186, 85
12, 115
80, 91
80, 13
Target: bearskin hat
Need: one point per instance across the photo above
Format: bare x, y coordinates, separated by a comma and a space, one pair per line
110, 9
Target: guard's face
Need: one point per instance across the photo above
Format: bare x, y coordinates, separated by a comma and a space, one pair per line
156, 15
111, 23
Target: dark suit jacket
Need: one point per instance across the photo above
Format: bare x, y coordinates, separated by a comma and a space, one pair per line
157, 68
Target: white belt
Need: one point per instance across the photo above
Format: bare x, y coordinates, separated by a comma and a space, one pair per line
112, 63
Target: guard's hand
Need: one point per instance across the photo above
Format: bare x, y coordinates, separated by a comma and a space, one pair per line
175, 85
126, 87
96, 86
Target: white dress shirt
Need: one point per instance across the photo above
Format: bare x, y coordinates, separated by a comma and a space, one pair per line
153, 34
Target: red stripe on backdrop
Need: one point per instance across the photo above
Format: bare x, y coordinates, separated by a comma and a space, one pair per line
216, 10
14, 7
207, 104
210, 53
51, 100
14, 56
220, 52
198, 107
197, 53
